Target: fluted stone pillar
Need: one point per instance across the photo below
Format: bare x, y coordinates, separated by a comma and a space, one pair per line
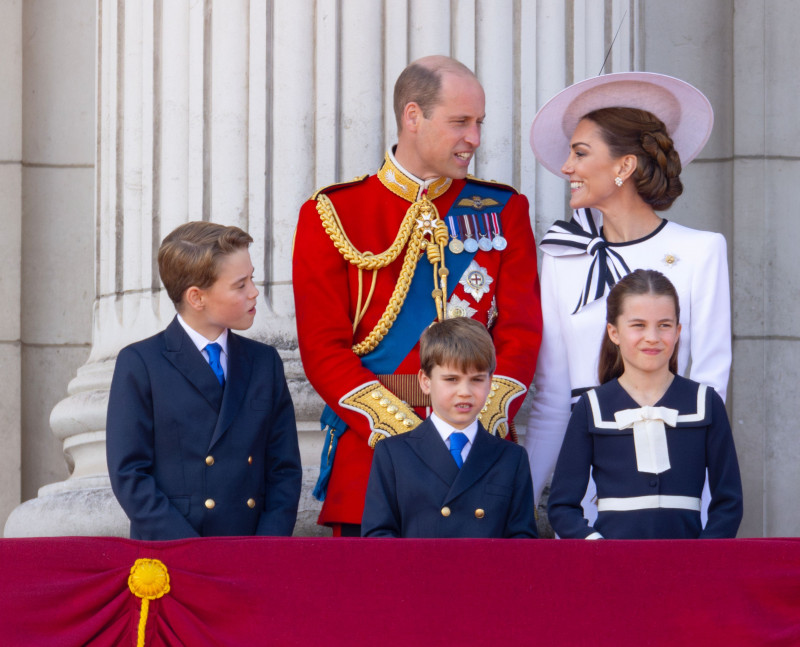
188, 95
10, 249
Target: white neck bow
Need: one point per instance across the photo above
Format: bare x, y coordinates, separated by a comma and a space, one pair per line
649, 435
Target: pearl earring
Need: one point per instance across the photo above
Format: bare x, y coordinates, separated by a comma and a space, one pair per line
618, 181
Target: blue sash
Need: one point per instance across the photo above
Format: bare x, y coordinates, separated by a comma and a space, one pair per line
410, 323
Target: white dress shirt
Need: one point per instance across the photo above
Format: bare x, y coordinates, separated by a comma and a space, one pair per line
445, 430
201, 343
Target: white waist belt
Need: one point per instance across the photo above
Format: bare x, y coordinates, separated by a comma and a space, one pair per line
648, 502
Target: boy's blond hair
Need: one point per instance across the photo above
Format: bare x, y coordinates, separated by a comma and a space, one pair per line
190, 255
460, 342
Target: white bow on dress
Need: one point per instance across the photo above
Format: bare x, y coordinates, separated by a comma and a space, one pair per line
649, 435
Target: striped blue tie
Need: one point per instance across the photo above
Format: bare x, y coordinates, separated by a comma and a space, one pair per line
213, 351
457, 442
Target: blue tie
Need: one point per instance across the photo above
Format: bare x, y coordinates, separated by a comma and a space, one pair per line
213, 351
457, 442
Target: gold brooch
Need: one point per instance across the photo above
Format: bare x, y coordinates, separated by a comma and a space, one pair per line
670, 259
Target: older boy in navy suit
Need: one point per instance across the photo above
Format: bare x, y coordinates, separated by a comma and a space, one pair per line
449, 477
201, 437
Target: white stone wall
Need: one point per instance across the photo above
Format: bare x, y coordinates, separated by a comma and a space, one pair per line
47, 217
766, 235
10, 251
236, 110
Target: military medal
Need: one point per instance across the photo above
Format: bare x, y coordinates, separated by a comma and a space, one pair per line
483, 242
476, 281
498, 241
470, 244
457, 307
455, 245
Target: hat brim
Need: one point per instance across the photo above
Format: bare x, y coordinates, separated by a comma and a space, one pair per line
685, 111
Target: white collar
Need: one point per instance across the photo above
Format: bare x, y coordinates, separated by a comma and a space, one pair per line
446, 429
200, 341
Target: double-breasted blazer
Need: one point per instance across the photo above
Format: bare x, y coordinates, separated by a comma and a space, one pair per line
188, 457
415, 488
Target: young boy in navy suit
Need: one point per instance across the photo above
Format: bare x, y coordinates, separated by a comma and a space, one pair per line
201, 437
449, 477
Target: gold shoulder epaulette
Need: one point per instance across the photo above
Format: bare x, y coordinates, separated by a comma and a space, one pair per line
339, 185
476, 180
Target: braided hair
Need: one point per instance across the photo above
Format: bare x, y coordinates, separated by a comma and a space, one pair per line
630, 131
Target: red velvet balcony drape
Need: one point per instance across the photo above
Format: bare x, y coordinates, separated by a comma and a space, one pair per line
252, 591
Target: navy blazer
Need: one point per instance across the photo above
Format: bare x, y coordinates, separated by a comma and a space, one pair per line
187, 457
415, 488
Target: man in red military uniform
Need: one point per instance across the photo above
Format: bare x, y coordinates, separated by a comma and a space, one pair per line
379, 259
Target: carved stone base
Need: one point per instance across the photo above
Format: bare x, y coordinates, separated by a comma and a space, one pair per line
82, 510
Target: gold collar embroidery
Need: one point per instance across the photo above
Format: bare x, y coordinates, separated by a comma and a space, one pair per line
402, 183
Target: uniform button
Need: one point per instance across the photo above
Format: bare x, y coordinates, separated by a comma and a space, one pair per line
249, 460
251, 503
209, 460
210, 504
479, 513
445, 511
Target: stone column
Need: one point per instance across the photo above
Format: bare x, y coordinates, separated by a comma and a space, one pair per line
10, 250
188, 93
766, 234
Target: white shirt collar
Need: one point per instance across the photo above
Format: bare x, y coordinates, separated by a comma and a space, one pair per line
200, 341
445, 429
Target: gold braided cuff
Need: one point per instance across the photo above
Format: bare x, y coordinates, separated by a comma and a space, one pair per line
388, 415
494, 415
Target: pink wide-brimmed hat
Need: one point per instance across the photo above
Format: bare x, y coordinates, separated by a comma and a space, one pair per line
685, 111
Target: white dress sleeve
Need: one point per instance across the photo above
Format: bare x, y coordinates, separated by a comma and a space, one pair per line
550, 410
711, 316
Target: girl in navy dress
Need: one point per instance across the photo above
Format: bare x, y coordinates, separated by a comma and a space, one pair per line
647, 434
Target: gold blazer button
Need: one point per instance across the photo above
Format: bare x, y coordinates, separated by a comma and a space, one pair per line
251, 503
209, 460
445, 511
479, 513
210, 504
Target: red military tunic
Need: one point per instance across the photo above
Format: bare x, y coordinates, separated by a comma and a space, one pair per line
328, 290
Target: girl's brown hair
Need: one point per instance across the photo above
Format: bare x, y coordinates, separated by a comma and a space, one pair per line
636, 283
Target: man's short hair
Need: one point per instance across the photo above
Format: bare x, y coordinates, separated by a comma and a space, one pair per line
421, 83
190, 255
460, 342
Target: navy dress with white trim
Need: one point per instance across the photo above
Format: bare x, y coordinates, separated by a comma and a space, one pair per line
635, 504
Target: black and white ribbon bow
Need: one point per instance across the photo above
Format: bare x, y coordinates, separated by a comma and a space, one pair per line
582, 236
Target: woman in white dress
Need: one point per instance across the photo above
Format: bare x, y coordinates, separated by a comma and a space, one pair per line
623, 165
